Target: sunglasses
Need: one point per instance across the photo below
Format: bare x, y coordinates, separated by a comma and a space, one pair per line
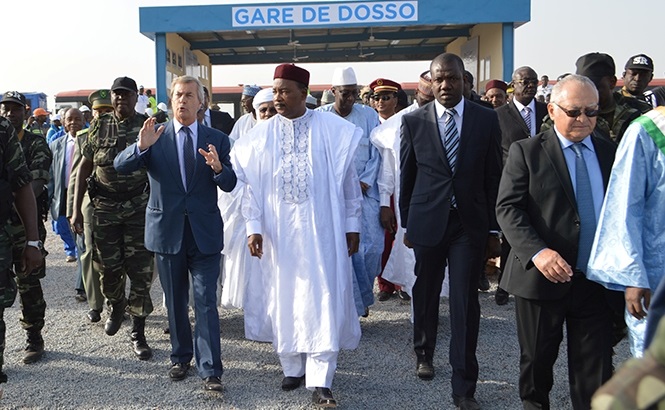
382, 97
526, 81
576, 113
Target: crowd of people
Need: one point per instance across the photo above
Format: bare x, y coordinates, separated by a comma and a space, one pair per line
297, 211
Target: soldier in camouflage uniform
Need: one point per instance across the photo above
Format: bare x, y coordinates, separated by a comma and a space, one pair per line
614, 111
100, 101
118, 222
15, 178
38, 159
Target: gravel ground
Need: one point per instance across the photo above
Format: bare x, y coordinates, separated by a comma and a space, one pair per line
83, 368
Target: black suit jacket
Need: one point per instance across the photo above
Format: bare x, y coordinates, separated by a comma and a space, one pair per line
222, 121
536, 209
513, 127
427, 183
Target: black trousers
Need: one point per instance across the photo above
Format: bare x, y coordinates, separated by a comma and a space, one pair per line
586, 314
465, 260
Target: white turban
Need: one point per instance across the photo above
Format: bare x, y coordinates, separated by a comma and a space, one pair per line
264, 95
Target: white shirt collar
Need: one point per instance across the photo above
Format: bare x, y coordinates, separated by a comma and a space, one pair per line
178, 126
565, 143
440, 109
520, 106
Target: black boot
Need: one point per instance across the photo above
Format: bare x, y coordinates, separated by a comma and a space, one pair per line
141, 348
115, 319
35, 348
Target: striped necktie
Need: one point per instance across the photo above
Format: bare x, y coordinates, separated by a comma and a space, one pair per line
451, 144
526, 114
585, 207
451, 139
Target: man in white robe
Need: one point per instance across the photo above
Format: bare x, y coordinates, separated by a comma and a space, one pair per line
247, 121
302, 203
367, 262
245, 285
629, 248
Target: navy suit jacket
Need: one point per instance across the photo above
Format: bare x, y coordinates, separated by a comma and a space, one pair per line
170, 203
428, 183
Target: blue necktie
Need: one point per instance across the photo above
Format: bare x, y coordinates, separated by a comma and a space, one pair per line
526, 114
585, 207
451, 144
188, 156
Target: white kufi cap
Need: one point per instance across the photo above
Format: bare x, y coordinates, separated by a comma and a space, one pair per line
344, 76
264, 95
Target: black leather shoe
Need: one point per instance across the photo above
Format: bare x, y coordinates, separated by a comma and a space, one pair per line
212, 384
323, 398
3, 377
501, 297
178, 371
425, 370
383, 296
403, 295
115, 319
94, 316
80, 295
467, 403
291, 383
483, 282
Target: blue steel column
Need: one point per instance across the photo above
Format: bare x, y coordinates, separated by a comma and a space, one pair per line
160, 66
508, 49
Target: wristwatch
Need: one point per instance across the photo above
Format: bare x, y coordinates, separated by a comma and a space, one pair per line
36, 244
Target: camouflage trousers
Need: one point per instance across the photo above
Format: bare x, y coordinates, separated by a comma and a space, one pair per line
7, 294
118, 229
31, 296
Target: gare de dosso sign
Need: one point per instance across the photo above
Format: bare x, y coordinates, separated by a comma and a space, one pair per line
326, 14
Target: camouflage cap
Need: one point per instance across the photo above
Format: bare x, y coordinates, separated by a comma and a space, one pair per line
100, 98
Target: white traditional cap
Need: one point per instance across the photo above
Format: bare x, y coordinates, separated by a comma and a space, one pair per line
162, 106
148, 112
311, 100
56, 117
344, 76
328, 97
84, 108
264, 95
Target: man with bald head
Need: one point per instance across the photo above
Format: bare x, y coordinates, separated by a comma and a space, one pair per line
61, 169
450, 163
523, 115
550, 197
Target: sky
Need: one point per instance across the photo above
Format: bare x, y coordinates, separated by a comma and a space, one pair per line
83, 45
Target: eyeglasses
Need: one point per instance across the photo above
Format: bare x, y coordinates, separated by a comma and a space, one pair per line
384, 97
577, 112
272, 110
527, 81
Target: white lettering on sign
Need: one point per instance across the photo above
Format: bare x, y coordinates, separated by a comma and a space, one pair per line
326, 14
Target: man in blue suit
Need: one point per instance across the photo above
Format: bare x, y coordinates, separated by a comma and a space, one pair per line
183, 225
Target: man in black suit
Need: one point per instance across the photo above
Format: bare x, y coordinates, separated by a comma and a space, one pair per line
219, 120
450, 169
522, 116
549, 200
519, 119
